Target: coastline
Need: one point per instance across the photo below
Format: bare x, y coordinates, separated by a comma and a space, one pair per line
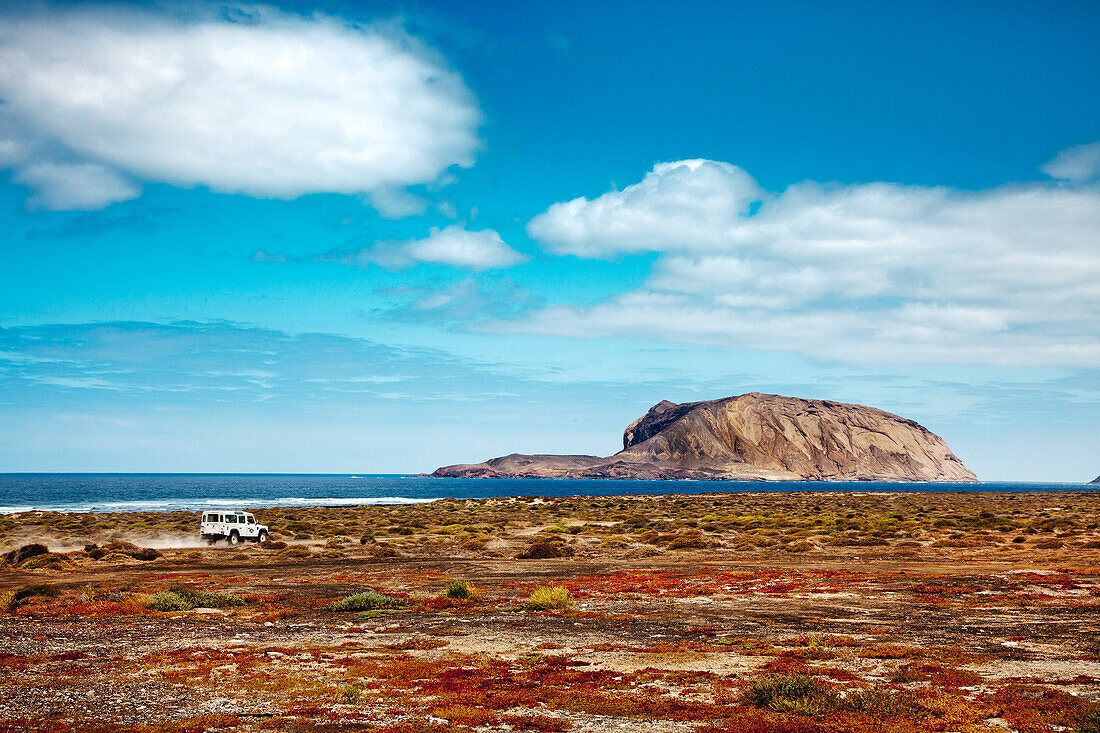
170, 492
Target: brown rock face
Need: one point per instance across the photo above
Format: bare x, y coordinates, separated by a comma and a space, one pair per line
753, 437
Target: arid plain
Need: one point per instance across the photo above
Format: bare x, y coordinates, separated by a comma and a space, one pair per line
713, 613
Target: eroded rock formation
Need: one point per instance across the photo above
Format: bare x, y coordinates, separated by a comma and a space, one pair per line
752, 437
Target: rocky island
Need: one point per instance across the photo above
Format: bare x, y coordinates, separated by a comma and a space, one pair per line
752, 437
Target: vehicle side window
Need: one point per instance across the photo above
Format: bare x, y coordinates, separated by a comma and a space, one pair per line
231, 519
251, 519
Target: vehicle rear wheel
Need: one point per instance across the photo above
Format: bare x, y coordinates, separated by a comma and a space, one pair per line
234, 538
262, 537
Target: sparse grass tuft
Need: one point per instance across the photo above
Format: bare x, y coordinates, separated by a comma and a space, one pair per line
779, 692
549, 597
182, 598
458, 590
168, 601
366, 601
884, 703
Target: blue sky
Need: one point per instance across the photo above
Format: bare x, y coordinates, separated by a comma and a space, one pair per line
359, 237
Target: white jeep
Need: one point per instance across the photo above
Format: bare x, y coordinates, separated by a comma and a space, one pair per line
233, 526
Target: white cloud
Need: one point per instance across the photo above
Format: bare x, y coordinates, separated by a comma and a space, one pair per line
454, 245
276, 106
397, 203
68, 187
1080, 163
686, 204
869, 273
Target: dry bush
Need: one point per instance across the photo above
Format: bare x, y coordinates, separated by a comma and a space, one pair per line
49, 561
21, 595
548, 598
26, 552
383, 550
542, 550
687, 542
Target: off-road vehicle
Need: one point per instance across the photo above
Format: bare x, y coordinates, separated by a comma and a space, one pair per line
232, 526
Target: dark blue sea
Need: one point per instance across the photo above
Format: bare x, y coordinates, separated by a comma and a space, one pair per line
70, 492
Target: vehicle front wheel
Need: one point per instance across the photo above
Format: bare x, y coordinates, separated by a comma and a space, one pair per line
262, 537
234, 538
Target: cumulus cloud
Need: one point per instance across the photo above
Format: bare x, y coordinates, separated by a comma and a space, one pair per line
870, 273
689, 203
1079, 163
68, 187
256, 101
455, 245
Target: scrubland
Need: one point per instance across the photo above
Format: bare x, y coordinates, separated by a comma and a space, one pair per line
766, 612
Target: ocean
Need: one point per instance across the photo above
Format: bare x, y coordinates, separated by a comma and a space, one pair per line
127, 492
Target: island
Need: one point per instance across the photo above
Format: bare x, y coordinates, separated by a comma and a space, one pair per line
751, 437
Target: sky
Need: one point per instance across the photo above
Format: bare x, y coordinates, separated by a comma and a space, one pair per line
383, 237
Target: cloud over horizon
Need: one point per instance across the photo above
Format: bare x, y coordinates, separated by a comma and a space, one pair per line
874, 272
1079, 163
453, 245
240, 99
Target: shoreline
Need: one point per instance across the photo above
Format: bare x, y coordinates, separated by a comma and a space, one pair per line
645, 488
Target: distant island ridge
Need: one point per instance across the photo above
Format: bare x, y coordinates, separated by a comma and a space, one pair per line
751, 437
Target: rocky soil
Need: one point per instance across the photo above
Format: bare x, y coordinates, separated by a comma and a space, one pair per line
818, 612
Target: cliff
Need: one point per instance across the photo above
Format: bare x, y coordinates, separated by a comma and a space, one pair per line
752, 437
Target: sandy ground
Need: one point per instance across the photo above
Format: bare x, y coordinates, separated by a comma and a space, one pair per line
900, 612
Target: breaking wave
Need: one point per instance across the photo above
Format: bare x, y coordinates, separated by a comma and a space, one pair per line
167, 505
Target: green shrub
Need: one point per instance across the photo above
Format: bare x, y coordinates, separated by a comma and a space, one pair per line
458, 590
549, 597
211, 598
49, 561
776, 692
20, 595
350, 693
182, 598
1089, 722
168, 601
883, 703
366, 601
